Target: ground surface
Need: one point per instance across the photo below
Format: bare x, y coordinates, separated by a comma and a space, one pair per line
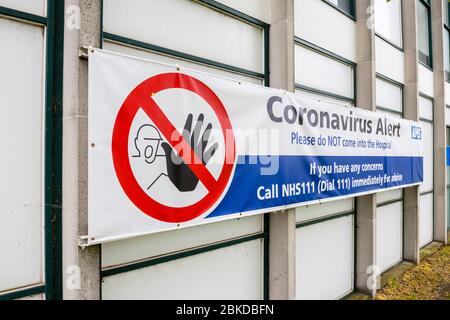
428, 281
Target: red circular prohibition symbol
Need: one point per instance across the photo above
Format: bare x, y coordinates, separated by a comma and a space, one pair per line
141, 98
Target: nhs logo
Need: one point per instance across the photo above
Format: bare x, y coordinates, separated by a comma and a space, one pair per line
416, 133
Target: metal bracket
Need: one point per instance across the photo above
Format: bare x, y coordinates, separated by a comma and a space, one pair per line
83, 241
83, 52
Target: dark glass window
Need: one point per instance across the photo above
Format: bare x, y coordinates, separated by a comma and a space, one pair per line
446, 4
346, 6
424, 32
447, 53
446, 7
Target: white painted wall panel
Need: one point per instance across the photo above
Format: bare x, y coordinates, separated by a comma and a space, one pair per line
324, 260
426, 109
37, 7
447, 118
426, 81
322, 210
389, 96
314, 21
186, 26
447, 102
390, 61
388, 20
317, 71
259, 9
230, 273
447, 93
132, 51
325, 99
389, 235
21, 111
389, 195
428, 174
397, 115
120, 252
426, 220
447, 122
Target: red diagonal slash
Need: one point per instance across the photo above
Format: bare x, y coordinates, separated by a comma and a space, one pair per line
140, 98
175, 139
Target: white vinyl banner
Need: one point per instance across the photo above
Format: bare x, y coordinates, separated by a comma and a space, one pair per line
171, 147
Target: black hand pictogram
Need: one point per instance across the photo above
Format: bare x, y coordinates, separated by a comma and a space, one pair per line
178, 171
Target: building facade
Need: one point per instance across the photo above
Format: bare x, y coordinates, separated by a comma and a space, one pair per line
387, 56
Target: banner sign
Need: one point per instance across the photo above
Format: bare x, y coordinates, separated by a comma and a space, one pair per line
448, 156
171, 147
